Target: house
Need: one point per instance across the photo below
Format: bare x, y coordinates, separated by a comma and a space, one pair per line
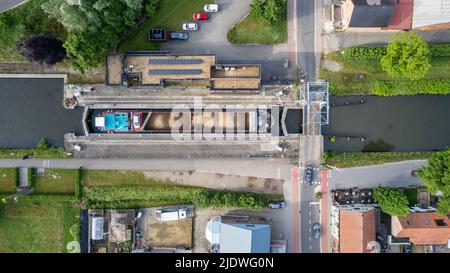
238, 234
353, 229
422, 228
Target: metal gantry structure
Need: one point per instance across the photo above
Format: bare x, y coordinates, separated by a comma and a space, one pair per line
317, 107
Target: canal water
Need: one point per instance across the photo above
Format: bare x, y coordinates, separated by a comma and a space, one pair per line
33, 108
401, 123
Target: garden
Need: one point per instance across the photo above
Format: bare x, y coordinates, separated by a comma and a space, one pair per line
407, 66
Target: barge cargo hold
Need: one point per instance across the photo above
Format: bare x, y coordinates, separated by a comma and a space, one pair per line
166, 121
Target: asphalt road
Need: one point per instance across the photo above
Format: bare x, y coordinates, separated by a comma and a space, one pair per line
7, 4
394, 174
309, 36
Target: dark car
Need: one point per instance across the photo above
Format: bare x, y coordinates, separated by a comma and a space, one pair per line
309, 175
407, 249
179, 36
277, 204
316, 231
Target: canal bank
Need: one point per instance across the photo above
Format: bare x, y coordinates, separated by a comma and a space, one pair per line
400, 123
32, 108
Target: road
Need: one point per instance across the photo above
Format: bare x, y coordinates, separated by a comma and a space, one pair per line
393, 174
7, 4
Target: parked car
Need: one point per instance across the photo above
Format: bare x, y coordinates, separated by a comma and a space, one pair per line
27, 157
407, 249
179, 35
211, 8
309, 175
316, 231
190, 26
136, 121
200, 16
277, 204
157, 35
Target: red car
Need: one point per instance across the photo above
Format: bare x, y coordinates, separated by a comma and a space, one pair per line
200, 16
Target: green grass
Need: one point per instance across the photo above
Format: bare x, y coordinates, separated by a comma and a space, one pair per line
55, 181
25, 20
38, 153
255, 30
30, 227
411, 194
348, 160
94, 178
170, 15
8, 177
347, 82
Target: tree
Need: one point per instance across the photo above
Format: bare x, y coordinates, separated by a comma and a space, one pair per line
42, 48
407, 56
391, 201
151, 7
269, 10
257, 7
94, 26
436, 177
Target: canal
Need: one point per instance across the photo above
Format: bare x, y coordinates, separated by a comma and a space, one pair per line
400, 123
32, 108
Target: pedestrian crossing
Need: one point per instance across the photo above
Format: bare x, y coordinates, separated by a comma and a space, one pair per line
313, 183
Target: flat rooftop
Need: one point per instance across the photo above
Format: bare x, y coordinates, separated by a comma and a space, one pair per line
235, 76
155, 68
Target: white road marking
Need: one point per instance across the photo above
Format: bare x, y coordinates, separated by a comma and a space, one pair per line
310, 239
309, 213
309, 221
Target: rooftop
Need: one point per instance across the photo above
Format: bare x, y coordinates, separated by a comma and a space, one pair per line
430, 12
356, 230
422, 228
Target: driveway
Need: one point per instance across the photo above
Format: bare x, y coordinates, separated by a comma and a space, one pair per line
211, 38
394, 174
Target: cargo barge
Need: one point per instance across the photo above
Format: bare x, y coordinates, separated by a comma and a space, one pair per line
166, 121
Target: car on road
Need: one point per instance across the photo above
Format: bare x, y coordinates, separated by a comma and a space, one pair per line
316, 231
211, 8
277, 204
190, 26
407, 249
200, 16
179, 35
27, 157
309, 175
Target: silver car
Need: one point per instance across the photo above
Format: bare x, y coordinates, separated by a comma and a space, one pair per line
316, 231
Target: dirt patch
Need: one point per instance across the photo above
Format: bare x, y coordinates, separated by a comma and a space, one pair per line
219, 181
170, 234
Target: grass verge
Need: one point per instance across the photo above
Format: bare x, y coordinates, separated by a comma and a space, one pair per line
38, 153
55, 181
255, 30
8, 177
348, 160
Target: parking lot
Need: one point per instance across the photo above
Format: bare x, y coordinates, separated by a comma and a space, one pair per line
211, 38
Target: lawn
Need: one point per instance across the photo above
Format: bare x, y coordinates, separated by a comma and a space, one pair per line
360, 76
25, 20
55, 181
254, 30
93, 178
170, 15
349, 160
32, 227
8, 179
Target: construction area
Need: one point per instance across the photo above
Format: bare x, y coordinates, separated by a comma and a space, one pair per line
145, 230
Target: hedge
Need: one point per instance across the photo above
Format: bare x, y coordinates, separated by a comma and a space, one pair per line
200, 197
392, 88
376, 52
349, 160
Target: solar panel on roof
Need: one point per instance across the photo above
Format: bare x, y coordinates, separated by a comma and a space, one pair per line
175, 72
175, 61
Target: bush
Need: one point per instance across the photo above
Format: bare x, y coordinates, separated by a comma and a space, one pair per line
440, 50
151, 8
433, 87
269, 10
100, 196
42, 145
